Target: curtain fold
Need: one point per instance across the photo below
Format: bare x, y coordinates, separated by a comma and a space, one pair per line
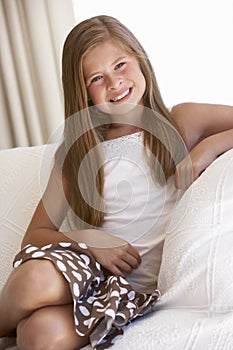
32, 36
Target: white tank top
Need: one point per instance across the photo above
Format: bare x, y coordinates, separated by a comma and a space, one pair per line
137, 210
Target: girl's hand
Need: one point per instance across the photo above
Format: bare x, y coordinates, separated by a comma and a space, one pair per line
191, 167
120, 260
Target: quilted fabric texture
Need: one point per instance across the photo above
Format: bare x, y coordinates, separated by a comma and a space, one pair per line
197, 264
20, 190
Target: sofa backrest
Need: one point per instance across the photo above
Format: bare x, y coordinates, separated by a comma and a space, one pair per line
24, 172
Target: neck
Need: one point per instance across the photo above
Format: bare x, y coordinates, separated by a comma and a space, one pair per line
132, 117
125, 123
118, 130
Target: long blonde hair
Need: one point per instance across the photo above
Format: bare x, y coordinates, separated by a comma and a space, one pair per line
85, 183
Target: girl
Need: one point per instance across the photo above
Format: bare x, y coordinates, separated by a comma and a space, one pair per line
72, 288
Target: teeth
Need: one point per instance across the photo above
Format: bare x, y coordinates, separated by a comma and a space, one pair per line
121, 96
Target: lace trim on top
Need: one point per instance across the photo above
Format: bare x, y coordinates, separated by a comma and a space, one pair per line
123, 146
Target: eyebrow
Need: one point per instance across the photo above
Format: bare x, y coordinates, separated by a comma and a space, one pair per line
96, 73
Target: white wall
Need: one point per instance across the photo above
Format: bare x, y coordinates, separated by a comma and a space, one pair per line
188, 41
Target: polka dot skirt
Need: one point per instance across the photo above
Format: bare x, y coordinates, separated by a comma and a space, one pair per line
103, 305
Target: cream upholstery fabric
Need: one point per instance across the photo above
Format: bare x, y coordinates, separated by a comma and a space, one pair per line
197, 265
20, 191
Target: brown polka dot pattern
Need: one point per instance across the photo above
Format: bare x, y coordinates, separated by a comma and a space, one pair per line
103, 305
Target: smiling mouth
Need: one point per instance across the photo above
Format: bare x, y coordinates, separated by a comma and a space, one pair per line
120, 97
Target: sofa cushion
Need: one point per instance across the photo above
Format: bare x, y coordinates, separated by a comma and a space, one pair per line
22, 183
197, 263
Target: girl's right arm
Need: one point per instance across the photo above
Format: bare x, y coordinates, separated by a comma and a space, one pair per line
115, 254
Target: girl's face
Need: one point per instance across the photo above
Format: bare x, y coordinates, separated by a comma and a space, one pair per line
113, 78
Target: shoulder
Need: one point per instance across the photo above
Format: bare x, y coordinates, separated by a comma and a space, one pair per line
185, 117
199, 120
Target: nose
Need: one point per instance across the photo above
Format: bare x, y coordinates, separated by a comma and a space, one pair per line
114, 82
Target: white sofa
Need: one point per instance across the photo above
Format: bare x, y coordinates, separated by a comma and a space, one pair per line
196, 276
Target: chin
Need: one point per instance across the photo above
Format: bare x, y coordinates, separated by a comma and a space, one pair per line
117, 109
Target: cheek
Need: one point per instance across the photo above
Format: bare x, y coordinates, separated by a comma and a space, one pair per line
140, 81
94, 94
143, 83
136, 75
131, 72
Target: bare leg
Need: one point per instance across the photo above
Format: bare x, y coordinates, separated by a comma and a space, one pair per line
50, 328
33, 285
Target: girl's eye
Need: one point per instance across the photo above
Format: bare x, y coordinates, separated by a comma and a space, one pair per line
95, 79
119, 65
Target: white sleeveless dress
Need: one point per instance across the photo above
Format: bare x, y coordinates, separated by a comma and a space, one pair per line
137, 209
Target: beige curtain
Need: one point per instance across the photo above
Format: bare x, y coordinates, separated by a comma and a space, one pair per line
32, 33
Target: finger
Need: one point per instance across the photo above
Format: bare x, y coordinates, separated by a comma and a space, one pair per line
116, 271
134, 254
132, 261
120, 268
124, 267
179, 179
184, 176
124, 262
188, 178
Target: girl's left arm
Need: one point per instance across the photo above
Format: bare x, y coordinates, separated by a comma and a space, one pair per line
208, 132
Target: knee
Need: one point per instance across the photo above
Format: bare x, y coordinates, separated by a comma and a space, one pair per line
28, 338
48, 328
34, 333
35, 281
